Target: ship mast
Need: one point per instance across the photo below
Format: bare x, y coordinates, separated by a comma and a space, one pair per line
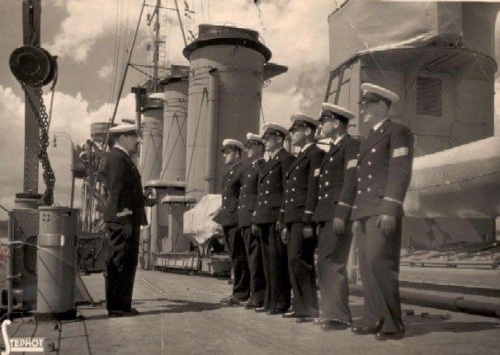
156, 45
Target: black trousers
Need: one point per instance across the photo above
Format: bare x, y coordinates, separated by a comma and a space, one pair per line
333, 252
121, 264
301, 270
236, 245
255, 266
379, 268
275, 263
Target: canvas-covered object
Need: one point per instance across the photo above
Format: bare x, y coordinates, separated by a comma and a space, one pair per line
362, 26
199, 225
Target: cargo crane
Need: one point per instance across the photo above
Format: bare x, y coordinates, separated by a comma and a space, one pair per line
42, 237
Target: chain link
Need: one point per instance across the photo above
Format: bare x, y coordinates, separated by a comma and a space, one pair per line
44, 123
53, 91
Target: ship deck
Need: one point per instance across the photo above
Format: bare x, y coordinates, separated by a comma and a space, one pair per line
181, 314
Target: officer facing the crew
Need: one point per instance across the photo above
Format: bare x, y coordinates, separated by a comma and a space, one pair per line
124, 214
301, 189
337, 189
248, 199
228, 218
264, 222
384, 174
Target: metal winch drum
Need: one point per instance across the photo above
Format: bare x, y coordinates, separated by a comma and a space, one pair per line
33, 65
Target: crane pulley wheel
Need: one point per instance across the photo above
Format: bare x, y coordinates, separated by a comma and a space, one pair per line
32, 65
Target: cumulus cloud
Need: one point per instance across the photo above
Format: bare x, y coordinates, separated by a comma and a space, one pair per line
303, 87
88, 21
105, 72
11, 132
71, 119
306, 56
296, 31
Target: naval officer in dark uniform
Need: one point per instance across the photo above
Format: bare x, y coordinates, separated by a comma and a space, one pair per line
337, 189
248, 199
228, 218
384, 173
301, 192
124, 214
265, 218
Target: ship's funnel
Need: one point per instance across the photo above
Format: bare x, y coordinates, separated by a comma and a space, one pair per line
175, 124
152, 137
225, 99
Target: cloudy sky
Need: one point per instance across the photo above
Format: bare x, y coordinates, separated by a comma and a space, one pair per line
90, 38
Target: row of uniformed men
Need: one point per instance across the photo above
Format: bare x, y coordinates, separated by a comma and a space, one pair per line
275, 214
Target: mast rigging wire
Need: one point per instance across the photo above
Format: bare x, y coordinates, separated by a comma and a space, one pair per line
205, 93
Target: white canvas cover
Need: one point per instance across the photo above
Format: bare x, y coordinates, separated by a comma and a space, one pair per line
449, 183
363, 26
199, 225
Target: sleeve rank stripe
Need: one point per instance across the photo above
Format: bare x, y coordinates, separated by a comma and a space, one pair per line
352, 163
400, 152
124, 213
393, 200
344, 204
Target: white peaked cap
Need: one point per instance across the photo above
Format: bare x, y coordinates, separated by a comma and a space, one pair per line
123, 128
380, 91
300, 117
338, 110
254, 137
226, 143
272, 127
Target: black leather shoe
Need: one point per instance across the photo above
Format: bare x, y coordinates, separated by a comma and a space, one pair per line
291, 314
230, 301
364, 329
252, 305
275, 311
318, 321
133, 312
261, 309
304, 319
389, 336
333, 324
118, 313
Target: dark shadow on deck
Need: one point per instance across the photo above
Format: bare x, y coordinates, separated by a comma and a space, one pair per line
172, 306
421, 324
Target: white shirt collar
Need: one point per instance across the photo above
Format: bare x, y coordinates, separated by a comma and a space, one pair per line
234, 164
377, 126
256, 160
337, 141
117, 145
273, 154
305, 147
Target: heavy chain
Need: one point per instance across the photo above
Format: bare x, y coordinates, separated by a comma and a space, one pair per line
43, 119
53, 91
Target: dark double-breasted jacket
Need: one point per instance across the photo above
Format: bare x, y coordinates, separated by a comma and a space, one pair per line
248, 192
337, 181
301, 186
270, 188
384, 171
231, 185
125, 196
